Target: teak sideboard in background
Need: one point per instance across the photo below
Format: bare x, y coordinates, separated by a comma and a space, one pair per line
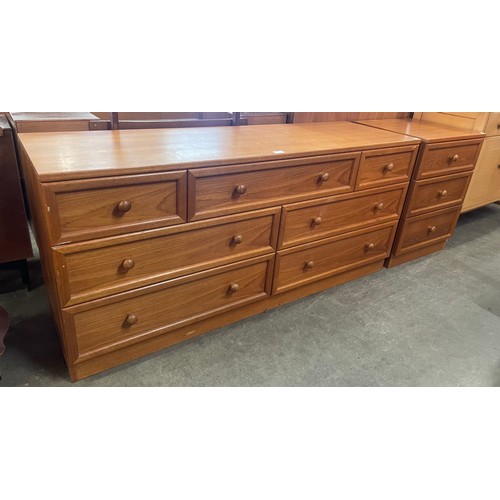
150, 237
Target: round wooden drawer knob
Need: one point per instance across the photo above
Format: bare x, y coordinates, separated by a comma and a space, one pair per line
369, 246
380, 206
234, 287
454, 158
316, 221
241, 189
124, 206
237, 239
324, 177
128, 264
131, 319
432, 229
443, 193
309, 264
389, 168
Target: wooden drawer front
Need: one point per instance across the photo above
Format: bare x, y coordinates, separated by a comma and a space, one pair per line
125, 262
493, 125
176, 303
309, 221
223, 190
314, 261
86, 209
436, 193
386, 166
448, 158
423, 230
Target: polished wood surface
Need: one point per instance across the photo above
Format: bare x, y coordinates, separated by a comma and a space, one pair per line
88, 271
386, 166
447, 158
426, 131
15, 243
427, 229
185, 300
222, 190
313, 220
436, 193
121, 286
77, 155
78, 210
305, 263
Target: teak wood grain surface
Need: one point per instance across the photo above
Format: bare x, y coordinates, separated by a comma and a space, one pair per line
446, 160
78, 155
150, 237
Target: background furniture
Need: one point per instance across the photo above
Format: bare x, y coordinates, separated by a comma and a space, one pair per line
50, 122
444, 167
151, 237
308, 117
15, 243
484, 186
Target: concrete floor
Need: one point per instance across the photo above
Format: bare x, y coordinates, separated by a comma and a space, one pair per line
431, 322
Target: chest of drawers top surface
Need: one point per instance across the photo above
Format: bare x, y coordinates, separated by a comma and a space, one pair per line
79, 155
426, 131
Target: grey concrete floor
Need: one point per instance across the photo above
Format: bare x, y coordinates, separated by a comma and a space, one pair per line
431, 322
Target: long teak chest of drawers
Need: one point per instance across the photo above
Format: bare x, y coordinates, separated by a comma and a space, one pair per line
150, 237
442, 173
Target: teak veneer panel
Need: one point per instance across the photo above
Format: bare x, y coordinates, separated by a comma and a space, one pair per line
122, 287
381, 167
426, 131
78, 155
436, 193
446, 160
215, 191
313, 220
306, 263
425, 230
91, 208
125, 262
182, 301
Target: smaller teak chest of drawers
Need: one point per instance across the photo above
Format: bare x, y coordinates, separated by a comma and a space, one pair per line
151, 237
442, 173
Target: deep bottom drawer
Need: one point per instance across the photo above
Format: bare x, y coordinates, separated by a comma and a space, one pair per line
103, 325
306, 263
423, 230
132, 261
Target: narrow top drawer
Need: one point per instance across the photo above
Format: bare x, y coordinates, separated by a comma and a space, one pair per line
448, 158
380, 167
224, 190
87, 209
